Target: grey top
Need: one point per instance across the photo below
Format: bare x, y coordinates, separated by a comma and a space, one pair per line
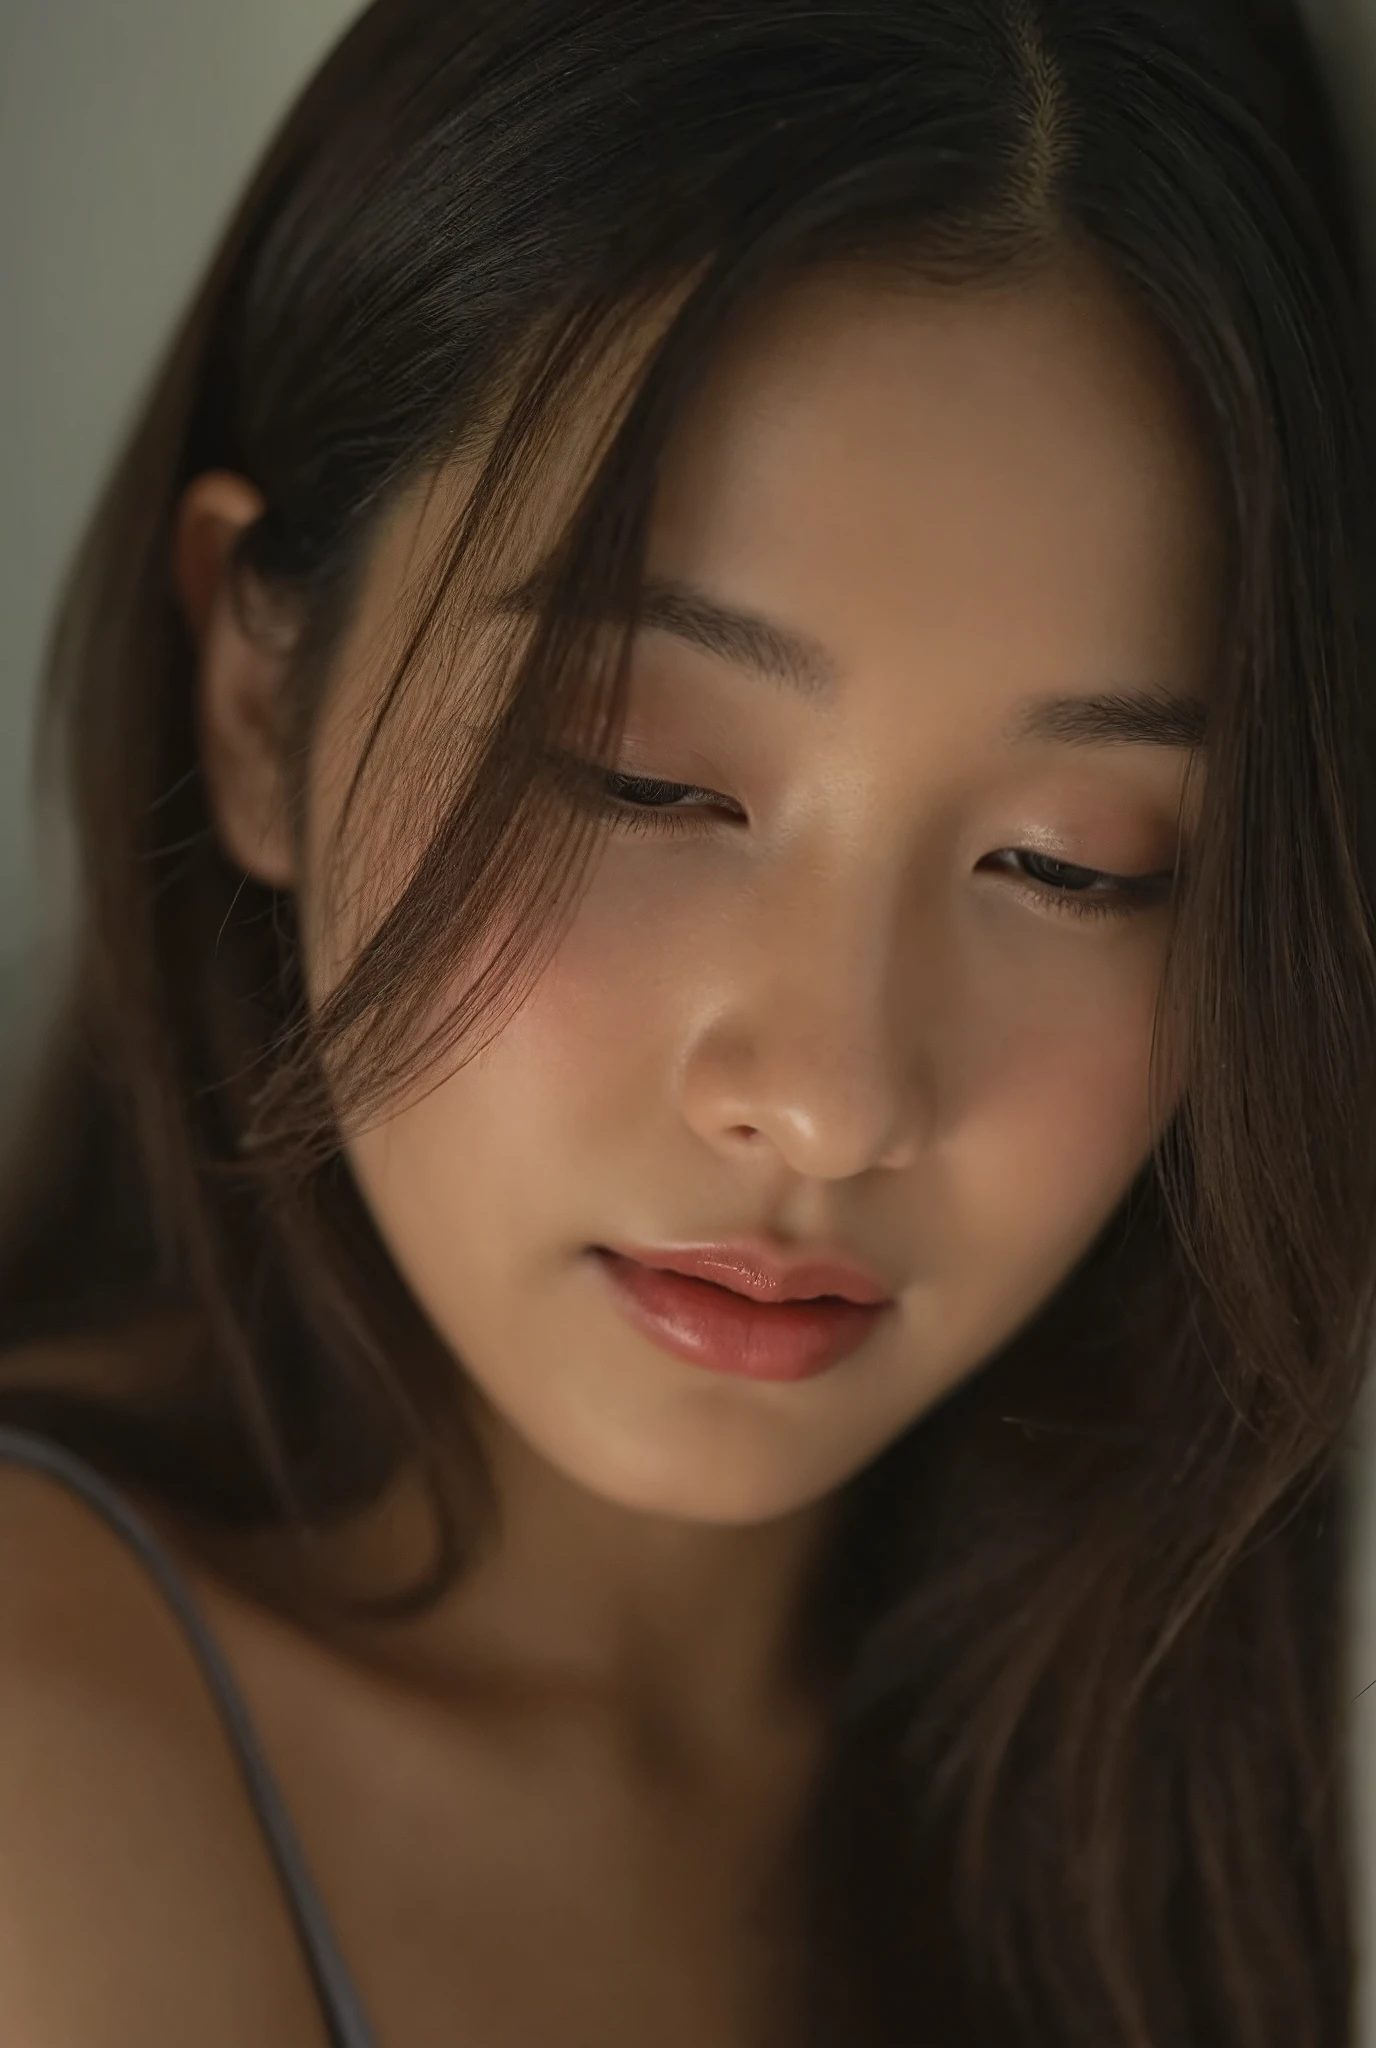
346, 2023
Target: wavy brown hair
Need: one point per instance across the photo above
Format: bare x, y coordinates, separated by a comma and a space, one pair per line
1088, 1787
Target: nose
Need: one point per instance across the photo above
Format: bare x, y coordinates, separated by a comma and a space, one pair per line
811, 1051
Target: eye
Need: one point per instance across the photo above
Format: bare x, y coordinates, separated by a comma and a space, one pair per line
1089, 892
647, 805
640, 803
634, 803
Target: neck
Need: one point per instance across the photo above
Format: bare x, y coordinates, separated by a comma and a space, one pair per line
690, 1634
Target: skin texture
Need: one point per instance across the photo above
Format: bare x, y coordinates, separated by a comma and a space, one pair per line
828, 1011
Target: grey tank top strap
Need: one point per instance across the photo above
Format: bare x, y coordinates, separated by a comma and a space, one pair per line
347, 2023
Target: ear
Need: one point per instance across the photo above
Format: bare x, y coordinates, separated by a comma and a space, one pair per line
242, 668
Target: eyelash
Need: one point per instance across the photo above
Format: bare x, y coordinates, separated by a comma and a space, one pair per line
652, 813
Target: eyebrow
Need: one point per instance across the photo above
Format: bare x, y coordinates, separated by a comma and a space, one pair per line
798, 662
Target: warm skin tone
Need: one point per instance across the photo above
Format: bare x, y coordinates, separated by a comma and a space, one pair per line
829, 1011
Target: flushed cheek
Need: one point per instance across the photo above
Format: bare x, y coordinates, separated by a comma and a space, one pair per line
517, 1149
601, 1022
1056, 1146
1082, 1129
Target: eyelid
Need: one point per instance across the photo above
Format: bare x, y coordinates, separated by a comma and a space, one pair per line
1038, 843
1124, 891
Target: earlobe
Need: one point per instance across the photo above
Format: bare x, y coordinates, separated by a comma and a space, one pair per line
240, 678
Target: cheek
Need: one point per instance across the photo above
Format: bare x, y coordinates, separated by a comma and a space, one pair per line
1073, 1122
595, 1047
1055, 1127
528, 1134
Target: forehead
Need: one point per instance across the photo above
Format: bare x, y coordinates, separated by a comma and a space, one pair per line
1006, 486
1056, 378
873, 457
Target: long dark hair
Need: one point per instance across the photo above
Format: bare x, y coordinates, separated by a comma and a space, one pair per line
1088, 1780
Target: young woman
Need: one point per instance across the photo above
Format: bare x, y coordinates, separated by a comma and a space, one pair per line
682, 1294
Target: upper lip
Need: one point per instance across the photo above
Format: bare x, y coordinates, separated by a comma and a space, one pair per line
763, 1271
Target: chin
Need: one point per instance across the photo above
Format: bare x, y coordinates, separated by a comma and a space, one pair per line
710, 1491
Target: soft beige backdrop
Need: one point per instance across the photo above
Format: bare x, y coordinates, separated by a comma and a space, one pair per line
125, 132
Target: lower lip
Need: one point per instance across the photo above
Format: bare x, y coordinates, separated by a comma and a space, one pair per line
726, 1332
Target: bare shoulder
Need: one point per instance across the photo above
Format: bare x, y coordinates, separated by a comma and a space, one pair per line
137, 1900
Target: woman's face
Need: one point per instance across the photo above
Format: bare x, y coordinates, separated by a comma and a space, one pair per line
833, 1009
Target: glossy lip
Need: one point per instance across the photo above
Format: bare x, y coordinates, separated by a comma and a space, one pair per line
760, 1271
709, 1325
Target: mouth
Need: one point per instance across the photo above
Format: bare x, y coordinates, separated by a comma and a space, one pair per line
710, 1324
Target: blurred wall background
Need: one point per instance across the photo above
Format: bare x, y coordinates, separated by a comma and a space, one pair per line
125, 134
